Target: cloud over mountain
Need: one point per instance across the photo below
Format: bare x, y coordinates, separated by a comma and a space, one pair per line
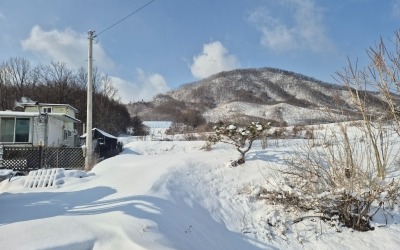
301, 28
143, 87
213, 59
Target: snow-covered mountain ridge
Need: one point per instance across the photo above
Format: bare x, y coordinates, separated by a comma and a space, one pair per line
262, 94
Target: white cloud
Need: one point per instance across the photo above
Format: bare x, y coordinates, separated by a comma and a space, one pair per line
214, 58
301, 27
70, 47
66, 46
144, 87
278, 37
396, 9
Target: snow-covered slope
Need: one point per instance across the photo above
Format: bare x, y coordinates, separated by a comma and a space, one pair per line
281, 112
170, 195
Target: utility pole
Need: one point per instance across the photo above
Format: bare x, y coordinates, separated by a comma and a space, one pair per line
89, 139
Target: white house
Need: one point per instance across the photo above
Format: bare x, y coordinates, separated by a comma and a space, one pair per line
49, 125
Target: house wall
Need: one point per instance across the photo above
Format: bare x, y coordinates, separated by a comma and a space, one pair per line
31, 109
55, 109
38, 132
46, 134
69, 126
63, 110
55, 136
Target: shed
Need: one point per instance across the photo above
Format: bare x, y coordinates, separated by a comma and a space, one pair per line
105, 144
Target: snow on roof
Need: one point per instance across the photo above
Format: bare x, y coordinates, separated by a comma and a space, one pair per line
158, 124
102, 132
62, 117
105, 133
18, 113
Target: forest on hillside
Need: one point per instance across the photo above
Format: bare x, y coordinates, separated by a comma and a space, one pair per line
57, 83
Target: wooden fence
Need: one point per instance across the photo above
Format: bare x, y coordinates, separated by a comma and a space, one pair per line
31, 158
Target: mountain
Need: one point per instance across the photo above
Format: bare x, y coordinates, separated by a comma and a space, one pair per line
265, 94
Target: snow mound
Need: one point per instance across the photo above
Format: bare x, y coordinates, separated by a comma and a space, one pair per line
44, 178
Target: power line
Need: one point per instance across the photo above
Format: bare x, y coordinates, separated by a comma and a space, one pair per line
137, 10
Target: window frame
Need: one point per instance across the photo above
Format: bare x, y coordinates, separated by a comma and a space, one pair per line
14, 131
47, 109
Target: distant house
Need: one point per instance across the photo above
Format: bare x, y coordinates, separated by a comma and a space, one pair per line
50, 125
157, 129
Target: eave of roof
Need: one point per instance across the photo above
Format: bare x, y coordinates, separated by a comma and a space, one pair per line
102, 132
61, 117
64, 117
48, 105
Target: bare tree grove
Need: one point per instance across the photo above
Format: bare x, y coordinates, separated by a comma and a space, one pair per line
57, 83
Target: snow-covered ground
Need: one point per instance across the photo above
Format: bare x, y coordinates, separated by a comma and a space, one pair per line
169, 195
157, 129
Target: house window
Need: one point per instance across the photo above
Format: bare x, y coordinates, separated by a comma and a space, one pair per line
47, 110
22, 130
67, 133
14, 129
7, 129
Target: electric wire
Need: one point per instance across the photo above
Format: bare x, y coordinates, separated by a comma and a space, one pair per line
121, 20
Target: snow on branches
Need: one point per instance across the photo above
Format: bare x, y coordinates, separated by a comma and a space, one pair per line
241, 137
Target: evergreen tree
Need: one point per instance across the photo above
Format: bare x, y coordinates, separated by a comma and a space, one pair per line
241, 137
138, 127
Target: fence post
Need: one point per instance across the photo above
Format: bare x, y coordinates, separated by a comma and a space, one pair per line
40, 157
1, 156
57, 158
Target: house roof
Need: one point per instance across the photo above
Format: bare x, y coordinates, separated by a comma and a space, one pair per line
100, 131
48, 105
18, 113
62, 117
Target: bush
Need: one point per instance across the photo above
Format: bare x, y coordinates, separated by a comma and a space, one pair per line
241, 137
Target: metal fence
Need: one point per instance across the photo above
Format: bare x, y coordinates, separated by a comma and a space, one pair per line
30, 158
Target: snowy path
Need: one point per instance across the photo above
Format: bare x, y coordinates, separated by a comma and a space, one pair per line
132, 201
167, 195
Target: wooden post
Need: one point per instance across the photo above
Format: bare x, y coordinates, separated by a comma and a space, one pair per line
89, 140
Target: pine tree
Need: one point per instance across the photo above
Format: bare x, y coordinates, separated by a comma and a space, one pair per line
241, 137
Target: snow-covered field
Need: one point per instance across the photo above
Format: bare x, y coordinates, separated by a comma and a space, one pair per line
169, 195
278, 112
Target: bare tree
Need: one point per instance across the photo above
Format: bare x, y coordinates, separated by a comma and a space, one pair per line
344, 174
18, 70
59, 78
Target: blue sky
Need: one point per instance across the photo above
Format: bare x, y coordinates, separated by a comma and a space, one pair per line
172, 42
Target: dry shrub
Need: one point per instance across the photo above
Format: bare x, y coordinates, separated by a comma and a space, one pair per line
340, 180
297, 130
345, 177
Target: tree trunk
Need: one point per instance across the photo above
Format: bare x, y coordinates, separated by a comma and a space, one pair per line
241, 160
